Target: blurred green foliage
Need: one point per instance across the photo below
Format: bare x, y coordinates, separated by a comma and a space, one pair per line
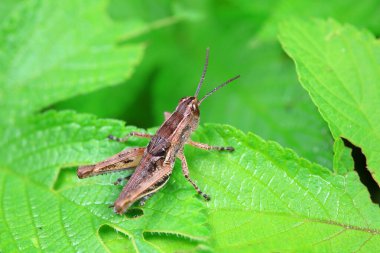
267, 99
268, 186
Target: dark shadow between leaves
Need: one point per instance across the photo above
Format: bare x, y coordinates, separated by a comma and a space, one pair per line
360, 166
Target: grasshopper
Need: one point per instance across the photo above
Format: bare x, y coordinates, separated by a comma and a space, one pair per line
154, 164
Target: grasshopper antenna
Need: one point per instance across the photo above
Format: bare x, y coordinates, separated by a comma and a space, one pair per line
217, 88
203, 73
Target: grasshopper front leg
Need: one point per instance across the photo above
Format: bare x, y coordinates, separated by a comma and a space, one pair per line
209, 147
125, 138
185, 171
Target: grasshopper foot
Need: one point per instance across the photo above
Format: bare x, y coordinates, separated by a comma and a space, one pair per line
113, 138
230, 149
120, 179
206, 197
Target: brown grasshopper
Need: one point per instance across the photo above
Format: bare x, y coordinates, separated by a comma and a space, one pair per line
154, 164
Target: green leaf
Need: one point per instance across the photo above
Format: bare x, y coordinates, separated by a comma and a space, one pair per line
67, 214
342, 158
86, 55
365, 14
74, 52
267, 199
6, 7
124, 94
265, 188
340, 67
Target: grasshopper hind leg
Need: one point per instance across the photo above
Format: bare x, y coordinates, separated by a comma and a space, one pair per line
185, 170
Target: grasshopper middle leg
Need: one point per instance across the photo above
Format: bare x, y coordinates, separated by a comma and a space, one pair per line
185, 170
208, 147
143, 200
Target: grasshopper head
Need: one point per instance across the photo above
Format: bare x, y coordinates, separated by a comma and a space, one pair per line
188, 106
121, 208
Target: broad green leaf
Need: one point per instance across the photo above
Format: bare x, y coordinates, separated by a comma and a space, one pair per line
81, 59
267, 199
124, 95
342, 157
340, 67
61, 212
364, 14
258, 192
264, 197
6, 7
55, 50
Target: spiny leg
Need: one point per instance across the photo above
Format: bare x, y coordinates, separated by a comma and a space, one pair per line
208, 147
185, 170
125, 138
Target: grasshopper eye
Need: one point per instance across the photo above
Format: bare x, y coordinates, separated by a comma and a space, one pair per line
195, 109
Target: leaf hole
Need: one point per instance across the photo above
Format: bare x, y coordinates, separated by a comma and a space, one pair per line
134, 212
66, 177
360, 166
178, 241
114, 240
